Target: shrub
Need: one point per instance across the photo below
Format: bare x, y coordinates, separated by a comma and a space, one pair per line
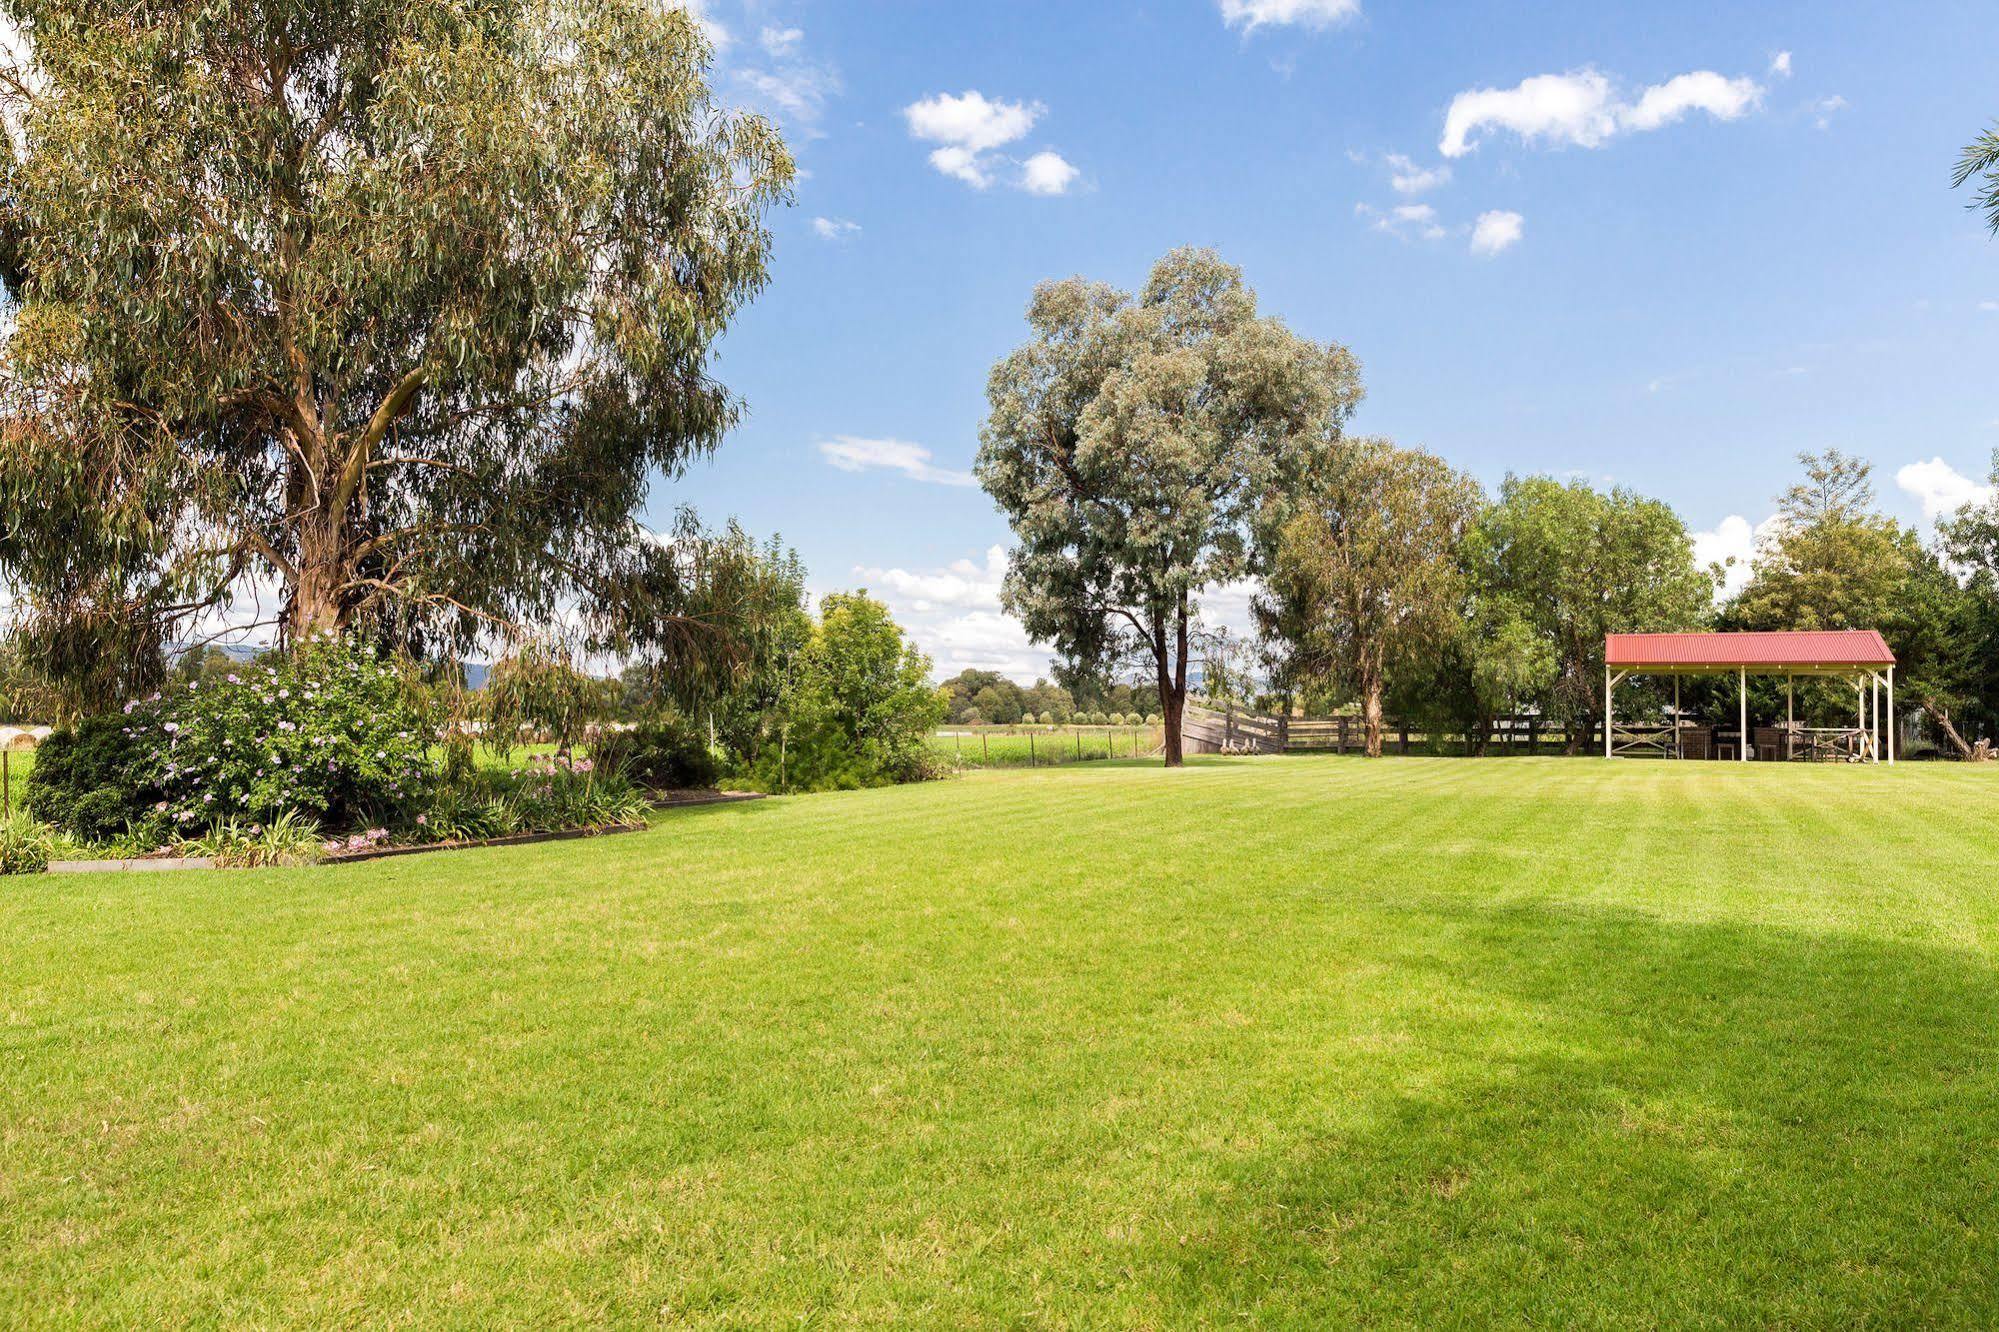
90, 781
26, 845
330, 733
1047, 718
661, 755
93, 779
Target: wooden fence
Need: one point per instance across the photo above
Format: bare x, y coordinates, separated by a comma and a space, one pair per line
1209, 731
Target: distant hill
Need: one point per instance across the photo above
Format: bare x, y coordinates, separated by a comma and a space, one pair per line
476, 672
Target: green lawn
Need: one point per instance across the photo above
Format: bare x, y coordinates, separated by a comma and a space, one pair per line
1299, 1042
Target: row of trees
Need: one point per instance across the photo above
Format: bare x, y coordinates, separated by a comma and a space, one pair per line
973, 696
1149, 447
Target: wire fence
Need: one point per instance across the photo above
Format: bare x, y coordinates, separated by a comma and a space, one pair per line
1041, 746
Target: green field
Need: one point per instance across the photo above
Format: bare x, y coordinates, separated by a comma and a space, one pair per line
1297, 1042
1040, 746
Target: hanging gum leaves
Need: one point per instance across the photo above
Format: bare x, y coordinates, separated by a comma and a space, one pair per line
401, 304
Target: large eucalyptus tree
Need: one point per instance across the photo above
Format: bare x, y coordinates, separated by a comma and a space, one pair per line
398, 305
1131, 441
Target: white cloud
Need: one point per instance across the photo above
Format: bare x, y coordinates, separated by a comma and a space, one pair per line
1941, 488
954, 614
1825, 109
1780, 64
962, 164
970, 121
1564, 108
1733, 543
780, 41
1046, 173
834, 228
965, 584
797, 89
850, 453
1403, 220
1495, 231
1703, 90
1249, 15
1988, 305
1408, 178
1582, 108
971, 126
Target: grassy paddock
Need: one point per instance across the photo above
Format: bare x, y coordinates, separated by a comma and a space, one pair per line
1040, 746
1283, 1042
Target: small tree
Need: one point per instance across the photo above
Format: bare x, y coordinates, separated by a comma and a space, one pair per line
1372, 547
859, 708
1131, 440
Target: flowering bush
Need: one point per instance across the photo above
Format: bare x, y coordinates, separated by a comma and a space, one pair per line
329, 733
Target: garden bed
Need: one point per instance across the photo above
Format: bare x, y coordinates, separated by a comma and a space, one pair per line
659, 800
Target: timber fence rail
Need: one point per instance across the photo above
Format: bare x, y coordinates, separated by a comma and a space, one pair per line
1210, 730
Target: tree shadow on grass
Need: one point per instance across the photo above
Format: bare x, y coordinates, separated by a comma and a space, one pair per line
1669, 1124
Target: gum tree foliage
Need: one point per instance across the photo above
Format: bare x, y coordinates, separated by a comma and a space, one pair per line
1130, 441
1980, 161
1366, 565
1835, 562
1573, 564
398, 305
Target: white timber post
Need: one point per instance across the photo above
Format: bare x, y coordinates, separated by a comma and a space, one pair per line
1609, 688
1891, 716
1790, 700
1874, 715
1676, 716
1742, 697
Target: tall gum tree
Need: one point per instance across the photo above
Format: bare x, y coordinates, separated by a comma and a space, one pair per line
400, 305
1130, 442
1366, 571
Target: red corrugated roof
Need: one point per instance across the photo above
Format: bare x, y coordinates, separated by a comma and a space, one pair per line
1832, 647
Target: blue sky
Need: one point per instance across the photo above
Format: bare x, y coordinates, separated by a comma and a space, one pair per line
1665, 246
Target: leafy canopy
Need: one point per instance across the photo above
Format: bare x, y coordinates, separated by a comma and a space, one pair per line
1367, 566
1131, 440
399, 305
1574, 564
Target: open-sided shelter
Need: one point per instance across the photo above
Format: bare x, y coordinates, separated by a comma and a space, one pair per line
1859, 655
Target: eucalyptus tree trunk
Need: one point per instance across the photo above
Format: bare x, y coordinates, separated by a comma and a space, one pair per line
1170, 660
1370, 710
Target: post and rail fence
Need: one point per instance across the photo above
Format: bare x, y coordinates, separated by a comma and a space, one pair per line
1208, 730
